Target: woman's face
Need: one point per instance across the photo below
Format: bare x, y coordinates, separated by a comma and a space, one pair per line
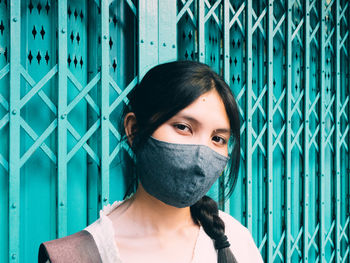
203, 122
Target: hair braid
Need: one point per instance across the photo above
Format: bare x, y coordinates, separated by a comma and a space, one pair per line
206, 213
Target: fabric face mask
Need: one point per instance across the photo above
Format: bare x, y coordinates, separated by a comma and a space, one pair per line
178, 174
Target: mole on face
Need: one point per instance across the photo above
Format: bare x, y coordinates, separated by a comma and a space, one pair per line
203, 99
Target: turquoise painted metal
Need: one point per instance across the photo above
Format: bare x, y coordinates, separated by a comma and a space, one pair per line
66, 68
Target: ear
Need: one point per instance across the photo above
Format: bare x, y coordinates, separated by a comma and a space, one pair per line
130, 126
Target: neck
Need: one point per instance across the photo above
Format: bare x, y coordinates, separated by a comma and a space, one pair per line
157, 216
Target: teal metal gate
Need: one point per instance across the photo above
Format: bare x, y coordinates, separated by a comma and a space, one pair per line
67, 66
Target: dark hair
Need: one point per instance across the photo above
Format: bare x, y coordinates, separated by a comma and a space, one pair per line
165, 90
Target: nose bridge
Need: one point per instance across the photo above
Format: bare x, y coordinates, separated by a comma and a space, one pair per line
204, 138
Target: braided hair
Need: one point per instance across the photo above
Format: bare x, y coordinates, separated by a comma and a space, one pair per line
164, 91
205, 213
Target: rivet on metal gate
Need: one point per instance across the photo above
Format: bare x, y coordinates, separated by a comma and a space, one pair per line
105, 117
173, 46
63, 116
164, 45
14, 112
63, 31
151, 43
13, 256
141, 41
14, 19
105, 199
61, 204
105, 37
14, 205
201, 53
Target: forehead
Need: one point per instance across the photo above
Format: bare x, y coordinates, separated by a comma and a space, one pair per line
208, 109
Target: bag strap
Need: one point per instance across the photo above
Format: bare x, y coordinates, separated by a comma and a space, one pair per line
78, 247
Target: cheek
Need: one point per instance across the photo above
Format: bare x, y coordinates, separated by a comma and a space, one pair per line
221, 150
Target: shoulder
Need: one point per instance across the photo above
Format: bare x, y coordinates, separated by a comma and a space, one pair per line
78, 247
241, 240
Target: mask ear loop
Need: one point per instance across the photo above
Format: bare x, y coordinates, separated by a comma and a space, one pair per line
131, 188
230, 146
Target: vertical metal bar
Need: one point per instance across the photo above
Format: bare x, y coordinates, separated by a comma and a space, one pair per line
104, 102
226, 75
201, 31
148, 35
337, 132
14, 145
261, 123
322, 75
248, 88
167, 31
62, 121
270, 243
288, 131
226, 41
347, 171
93, 61
306, 45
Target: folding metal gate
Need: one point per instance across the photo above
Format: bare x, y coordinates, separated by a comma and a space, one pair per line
67, 66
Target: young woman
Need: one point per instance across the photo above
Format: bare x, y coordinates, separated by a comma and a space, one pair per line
179, 123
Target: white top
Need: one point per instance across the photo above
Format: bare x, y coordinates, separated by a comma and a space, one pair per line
242, 243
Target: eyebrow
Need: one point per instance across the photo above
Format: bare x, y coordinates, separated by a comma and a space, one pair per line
189, 118
222, 131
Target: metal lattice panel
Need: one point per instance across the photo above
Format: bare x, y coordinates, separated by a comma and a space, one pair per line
66, 68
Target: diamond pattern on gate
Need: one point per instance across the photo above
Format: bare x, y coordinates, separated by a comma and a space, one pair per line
237, 81
36, 89
314, 122
4, 107
118, 89
344, 123
187, 30
83, 94
79, 93
258, 99
213, 34
278, 94
297, 117
329, 244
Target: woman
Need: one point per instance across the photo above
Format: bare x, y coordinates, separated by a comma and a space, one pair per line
179, 122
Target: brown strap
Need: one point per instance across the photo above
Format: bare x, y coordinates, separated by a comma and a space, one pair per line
78, 247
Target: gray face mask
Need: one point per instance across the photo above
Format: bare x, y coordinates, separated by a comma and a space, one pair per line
178, 174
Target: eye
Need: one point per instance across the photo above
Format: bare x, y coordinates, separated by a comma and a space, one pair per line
219, 140
182, 127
